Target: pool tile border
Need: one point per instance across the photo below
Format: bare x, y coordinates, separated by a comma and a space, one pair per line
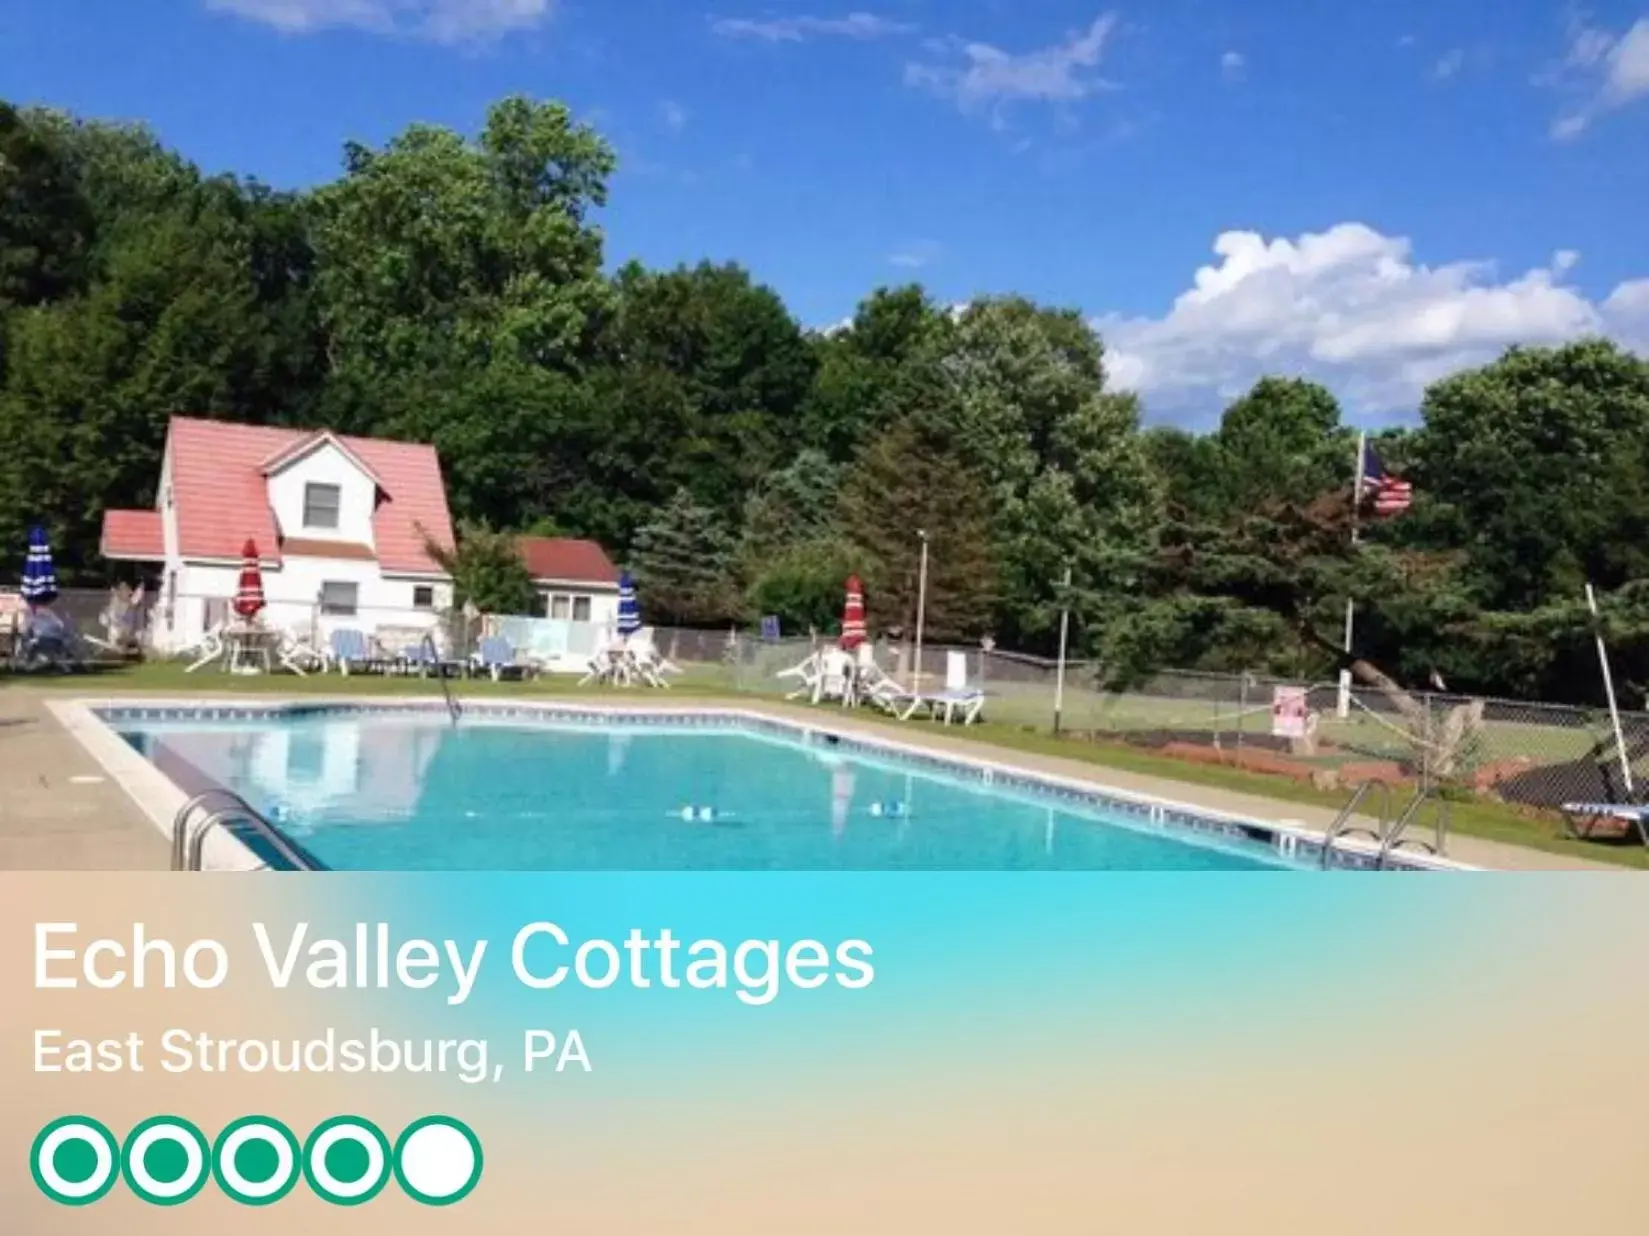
1294, 845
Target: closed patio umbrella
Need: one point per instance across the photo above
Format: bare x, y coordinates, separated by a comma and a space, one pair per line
629, 607
853, 615
249, 594
39, 577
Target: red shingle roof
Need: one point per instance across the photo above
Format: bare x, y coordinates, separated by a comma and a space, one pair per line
133, 535
562, 559
222, 497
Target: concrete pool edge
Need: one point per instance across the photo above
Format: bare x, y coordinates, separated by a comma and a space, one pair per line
158, 797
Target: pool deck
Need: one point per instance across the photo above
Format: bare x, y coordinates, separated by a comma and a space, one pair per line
60, 810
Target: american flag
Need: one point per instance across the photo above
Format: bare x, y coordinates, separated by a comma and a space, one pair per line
1388, 495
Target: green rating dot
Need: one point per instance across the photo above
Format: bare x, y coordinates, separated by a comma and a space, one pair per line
346, 1160
75, 1161
256, 1160
166, 1160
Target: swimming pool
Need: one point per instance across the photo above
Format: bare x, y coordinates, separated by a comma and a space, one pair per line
547, 788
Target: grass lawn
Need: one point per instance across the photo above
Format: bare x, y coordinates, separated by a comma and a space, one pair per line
1492, 821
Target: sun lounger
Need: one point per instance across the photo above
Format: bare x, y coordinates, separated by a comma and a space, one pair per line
647, 661
300, 656
47, 643
807, 673
948, 705
1581, 819
209, 650
496, 657
351, 651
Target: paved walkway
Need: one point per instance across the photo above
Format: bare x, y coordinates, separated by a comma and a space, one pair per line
59, 811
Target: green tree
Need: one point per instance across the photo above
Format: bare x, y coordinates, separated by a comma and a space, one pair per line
487, 570
1539, 463
713, 370
852, 396
1069, 483
803, 584
1282, 440
173, 319
907, 481
684, 564
460, 287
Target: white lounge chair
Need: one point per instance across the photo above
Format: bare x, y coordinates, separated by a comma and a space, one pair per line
648, 663
806, 672
836, 677
876, 686
211, 648
300, 656
958, 699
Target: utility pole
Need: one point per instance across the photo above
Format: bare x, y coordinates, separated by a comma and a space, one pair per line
1344, 704
921, 610
1064, 633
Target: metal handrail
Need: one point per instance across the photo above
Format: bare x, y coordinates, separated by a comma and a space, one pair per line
453, 709
1394, 839
180, 821
235, 808
1342, 826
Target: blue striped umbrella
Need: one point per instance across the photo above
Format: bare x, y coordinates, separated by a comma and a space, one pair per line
629, 608
39, 580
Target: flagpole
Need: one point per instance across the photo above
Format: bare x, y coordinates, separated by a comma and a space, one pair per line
1344, 703
921, 611
1064, 633
1609, 692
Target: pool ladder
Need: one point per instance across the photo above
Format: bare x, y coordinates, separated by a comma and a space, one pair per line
187, 846
453, 710
1390, 833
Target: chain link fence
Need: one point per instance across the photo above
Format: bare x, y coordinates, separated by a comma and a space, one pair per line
1526, 753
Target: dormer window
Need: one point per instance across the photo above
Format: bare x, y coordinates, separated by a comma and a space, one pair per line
320, 506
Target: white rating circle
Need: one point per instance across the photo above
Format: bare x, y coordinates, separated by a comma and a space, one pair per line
59, 1187
196, 1160
337, 1132
438, 1161
257, 1131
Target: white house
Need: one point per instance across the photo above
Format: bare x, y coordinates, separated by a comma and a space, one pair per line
341, 525
576, 581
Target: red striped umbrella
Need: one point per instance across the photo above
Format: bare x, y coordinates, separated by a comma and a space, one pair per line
853, 615
249, 595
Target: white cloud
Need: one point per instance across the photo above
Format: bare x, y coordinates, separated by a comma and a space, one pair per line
673, 115
1448, 64
1232, 65
441, 21
915, 256
797, 29
979, 75
1600, 71
1349, 307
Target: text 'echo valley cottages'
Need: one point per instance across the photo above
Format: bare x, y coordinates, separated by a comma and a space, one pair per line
341, 525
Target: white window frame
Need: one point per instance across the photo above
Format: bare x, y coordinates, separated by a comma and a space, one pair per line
333, 609
310, 489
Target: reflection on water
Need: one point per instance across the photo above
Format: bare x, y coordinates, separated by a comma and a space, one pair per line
331, 770
404, 792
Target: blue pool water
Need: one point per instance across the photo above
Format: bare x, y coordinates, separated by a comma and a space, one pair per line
409, 792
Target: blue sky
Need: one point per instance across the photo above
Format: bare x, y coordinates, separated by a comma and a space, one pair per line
1369, 194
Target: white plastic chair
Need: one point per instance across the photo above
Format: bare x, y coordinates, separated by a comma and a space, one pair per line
835, 678
807, 672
